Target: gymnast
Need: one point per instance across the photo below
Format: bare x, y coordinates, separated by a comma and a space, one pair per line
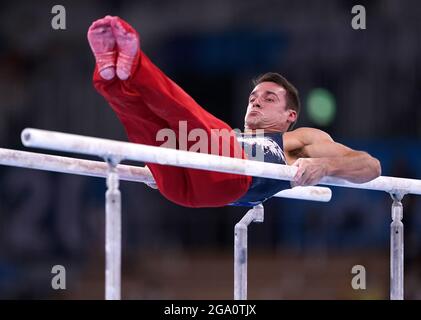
145, 100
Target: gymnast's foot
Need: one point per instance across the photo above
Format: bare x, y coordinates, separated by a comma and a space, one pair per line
127, 41
103, 45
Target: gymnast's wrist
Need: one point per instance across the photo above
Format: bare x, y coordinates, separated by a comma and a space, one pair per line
328, 166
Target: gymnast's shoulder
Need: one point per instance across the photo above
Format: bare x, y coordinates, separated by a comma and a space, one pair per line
304, 136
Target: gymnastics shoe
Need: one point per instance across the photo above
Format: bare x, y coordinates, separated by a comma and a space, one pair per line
127, 41
103, 45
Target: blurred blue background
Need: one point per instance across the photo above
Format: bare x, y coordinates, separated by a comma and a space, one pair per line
212, 49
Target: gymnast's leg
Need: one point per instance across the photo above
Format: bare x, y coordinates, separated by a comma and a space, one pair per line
145, 101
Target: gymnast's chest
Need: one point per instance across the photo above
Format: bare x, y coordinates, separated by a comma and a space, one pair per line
265, 148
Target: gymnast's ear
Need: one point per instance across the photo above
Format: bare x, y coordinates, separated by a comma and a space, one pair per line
292, 116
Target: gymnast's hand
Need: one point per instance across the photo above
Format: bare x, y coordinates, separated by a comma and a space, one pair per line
310, 171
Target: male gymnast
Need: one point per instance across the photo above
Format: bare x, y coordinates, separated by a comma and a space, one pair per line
147, 101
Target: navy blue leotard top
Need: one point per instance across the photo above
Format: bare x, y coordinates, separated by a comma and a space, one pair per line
271, 150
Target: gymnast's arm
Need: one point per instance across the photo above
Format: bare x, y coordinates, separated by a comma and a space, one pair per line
321, 156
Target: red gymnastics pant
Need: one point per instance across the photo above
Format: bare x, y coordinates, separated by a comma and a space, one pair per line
149, 101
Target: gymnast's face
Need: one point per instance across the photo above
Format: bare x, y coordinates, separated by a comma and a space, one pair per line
267, 109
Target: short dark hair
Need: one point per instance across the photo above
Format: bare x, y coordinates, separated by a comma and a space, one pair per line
292, 96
